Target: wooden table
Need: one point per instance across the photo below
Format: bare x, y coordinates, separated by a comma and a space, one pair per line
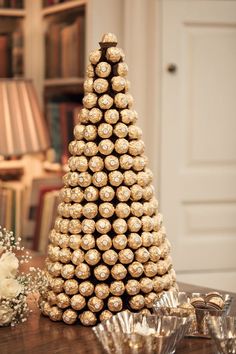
40, 335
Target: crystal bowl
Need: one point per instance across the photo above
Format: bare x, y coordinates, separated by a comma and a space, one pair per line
171, 303
133, 333
223, 332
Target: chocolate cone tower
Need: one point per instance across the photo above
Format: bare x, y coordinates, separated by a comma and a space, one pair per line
108, 250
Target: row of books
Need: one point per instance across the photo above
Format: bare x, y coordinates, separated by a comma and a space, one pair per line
62, 117
43, 208
11, 4
11, 54
12, 206
65, 49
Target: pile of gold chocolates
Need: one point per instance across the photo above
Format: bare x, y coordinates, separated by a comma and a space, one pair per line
108, 249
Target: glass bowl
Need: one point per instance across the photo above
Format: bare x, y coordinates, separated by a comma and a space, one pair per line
223, 332
176, 303
132, 333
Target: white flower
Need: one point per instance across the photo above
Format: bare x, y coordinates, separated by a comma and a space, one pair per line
6, 314
9, 265
10, 288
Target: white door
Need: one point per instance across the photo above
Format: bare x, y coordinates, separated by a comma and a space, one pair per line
198, 134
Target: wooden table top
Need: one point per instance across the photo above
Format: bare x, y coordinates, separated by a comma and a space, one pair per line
39, 335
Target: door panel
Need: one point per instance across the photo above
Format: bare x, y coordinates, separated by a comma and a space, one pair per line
198, 147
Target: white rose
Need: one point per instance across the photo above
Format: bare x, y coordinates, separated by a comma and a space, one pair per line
9, 265
6, 314
10, 288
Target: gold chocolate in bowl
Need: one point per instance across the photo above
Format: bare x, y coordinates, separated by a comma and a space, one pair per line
133, 333
196, 305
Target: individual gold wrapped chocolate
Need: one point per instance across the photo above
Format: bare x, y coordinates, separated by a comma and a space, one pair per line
105, 101
95, 56
95, 304
77, 302
117, 288
108, 250
102, 290
88, 85
100, 85
122, 210
121, 146
63, 301
87, 242
115, 304
111, 116
92, 257
105, 130
137, 302
110, 257
106, 147
101, 272
104, 242
69, 316
90, 100
71, 287
113, 54
119, 242
118, 271
115, 178
86, 288
103, 69
88, 318
55, 314
120, 130
94, 115
132, 287
105, 315
118, 83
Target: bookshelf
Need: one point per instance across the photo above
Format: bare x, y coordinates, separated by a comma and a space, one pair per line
24, 179
11, 40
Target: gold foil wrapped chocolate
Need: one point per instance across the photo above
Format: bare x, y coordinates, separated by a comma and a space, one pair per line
132, 287
92, 257
71, 287
115, 304
95, 304
82, 271
77, 302
68, 271
107, 193
103, 69
106, 147
118, 271
95, 115
122, 210
117, 288
115, 178
102, 291
104, 242
105, 101
121, 146
101, 272
111, 116
95, 56
69, 316
100, 85
119, 242
88, 318
90, 100
110, 257
105, 130
87, 242
86, 288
